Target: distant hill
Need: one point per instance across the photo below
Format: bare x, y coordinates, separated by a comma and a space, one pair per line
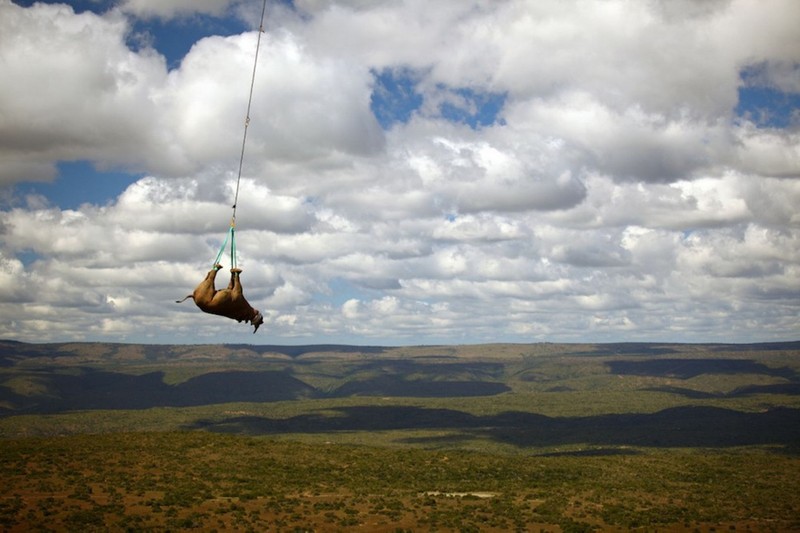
58, 377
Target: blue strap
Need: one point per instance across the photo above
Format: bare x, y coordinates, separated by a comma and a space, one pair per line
230, 236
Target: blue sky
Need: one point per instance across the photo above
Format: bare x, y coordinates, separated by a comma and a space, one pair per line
768, 107
77, 183
463, 172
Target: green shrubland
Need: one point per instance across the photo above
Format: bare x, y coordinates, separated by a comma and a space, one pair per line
179, 480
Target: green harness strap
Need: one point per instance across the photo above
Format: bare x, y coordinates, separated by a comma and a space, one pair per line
231, 236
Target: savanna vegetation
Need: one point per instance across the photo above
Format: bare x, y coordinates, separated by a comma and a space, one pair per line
472, 438
178, 480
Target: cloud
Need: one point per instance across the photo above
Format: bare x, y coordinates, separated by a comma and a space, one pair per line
73, 91
551, 171
770, 153
167, 9
779, 74
304, 108
120, 108
12, 281
629, 145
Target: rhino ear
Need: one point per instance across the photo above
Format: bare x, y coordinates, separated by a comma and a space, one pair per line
257, 321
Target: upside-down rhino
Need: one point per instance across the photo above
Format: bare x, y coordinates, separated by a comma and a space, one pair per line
228, 302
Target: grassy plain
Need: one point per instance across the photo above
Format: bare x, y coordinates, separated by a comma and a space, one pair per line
443, 438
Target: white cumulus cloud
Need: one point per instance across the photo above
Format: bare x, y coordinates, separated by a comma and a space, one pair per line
619, 189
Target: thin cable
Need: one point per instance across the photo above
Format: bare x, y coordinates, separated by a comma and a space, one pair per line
247, 117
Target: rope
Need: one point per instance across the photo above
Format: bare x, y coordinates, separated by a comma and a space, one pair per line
247, 115
230, 236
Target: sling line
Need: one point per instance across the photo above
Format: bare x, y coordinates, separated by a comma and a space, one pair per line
231, 232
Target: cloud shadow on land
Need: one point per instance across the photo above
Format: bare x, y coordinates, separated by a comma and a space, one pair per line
97, 389
399, 387
788, 389
93, 389
689, 368
674, 427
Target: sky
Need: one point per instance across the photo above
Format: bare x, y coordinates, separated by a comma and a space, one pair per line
415, 172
